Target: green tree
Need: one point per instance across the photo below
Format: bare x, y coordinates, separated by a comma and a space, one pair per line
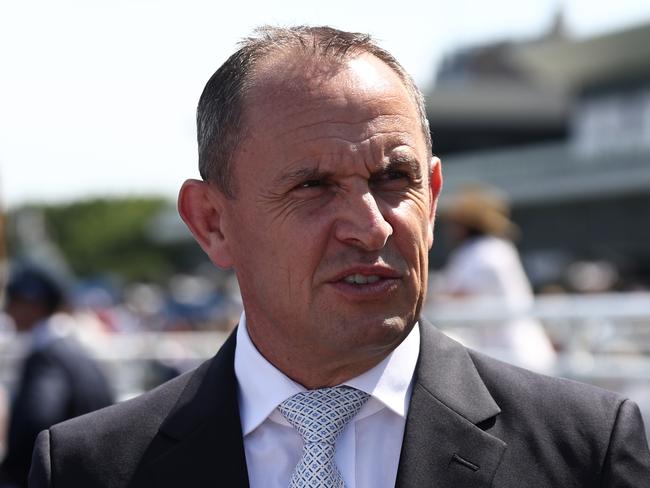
114, 236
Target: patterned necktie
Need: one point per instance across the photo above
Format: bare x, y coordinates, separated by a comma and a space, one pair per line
320, 416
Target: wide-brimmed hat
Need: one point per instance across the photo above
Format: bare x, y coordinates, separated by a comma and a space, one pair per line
480, 208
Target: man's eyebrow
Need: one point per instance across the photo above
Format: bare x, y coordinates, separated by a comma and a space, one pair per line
303, 174
403, 161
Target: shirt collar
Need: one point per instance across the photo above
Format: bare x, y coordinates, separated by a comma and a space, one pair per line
262, 387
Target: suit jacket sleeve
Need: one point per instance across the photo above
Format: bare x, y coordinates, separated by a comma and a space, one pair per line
627, 463
40, 474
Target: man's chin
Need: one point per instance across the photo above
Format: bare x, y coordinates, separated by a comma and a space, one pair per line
374, 334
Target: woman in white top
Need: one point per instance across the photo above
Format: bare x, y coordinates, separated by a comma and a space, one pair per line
485, 270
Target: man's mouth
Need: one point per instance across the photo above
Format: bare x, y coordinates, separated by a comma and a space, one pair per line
359, 279
367, 284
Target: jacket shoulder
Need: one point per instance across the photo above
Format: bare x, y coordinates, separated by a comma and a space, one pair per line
565, 428
516, 388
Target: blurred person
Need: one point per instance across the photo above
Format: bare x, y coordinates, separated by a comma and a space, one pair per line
484, 272
592, 276
58, 379
319, 189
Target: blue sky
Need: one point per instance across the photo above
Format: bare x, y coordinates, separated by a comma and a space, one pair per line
98, 98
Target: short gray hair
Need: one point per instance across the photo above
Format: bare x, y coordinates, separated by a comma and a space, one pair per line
219, 116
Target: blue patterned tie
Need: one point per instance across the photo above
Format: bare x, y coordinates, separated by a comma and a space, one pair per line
320, 416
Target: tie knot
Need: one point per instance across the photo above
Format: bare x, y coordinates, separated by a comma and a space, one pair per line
320, 415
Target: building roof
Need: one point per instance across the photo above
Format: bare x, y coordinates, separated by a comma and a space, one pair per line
549, 172
612, 57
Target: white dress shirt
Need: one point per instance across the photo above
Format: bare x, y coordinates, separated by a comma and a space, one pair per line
367, 453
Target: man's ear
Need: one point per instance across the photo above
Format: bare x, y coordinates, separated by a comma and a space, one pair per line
435, 186
202, 209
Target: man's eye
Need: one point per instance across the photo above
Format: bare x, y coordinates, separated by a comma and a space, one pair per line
395, 175
310, 184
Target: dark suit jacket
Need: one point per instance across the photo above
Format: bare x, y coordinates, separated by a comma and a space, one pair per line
58, 381
472, 422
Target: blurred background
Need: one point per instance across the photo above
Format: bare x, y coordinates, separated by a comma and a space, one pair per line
545, 104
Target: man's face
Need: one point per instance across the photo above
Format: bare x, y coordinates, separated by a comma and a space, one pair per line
332, 219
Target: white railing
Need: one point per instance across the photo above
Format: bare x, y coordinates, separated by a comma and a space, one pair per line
604, 325
602, 339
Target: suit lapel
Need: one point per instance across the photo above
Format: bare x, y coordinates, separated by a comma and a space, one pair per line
444, 445
201, 443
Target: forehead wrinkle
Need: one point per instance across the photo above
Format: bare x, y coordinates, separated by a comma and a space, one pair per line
332, 123
366, 120
325, 166
303, 173
372, 151
372, 158
397, 138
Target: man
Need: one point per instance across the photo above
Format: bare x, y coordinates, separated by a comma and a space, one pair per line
58, 379
320, 191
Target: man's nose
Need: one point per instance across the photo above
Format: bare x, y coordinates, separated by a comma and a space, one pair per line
361, 222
